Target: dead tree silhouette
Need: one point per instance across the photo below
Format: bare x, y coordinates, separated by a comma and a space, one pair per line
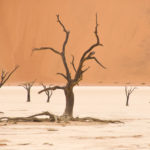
128, 92
89, 54
28, 87
71, 81
6, 75
47, 92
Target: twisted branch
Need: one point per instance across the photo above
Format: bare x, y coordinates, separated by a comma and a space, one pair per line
89, 54
62, 54
48, 93
129, 91
73, 65
52, 88
62, 75
46, 48
27, 85
6, 75
64, 47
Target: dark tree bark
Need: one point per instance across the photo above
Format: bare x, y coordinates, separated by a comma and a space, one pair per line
128, 92
28, 95
69, 101
28, 87
48, 93
48, 99
6, 75
89, 54
53, 118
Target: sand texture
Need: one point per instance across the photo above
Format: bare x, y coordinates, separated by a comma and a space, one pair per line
123, 29
101, 102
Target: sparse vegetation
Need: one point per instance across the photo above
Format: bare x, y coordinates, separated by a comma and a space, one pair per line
28, 87
6, 75
47, 92
128, 92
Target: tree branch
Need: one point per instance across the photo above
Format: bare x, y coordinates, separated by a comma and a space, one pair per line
96, 33
132, 89
62, 75
6, 75
47, 92
52, 88
27, 85
44, 87
46, 48
89, 52
73, 65
129, 91
3, 75
85, 70
64, 47
59, 21
24, 86
126, 92
98, 62
94, 45
62, 54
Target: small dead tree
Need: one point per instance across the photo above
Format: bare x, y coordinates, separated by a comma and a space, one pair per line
28, 87
47, 92
71, 81
128, 92
6, 75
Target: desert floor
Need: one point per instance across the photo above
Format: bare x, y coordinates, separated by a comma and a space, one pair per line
101, 102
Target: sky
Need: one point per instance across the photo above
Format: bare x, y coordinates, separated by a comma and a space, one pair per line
124, 30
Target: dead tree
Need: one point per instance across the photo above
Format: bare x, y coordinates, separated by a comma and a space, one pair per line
47, 92
28, 87
53, 118
128, 92
71, 81
6, 75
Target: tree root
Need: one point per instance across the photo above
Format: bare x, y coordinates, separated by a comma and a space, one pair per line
91, 119
54, 118
33, 118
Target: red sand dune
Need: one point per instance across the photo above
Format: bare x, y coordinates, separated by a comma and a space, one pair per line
124, 28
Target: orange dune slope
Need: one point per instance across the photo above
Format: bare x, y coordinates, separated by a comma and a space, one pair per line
124, 29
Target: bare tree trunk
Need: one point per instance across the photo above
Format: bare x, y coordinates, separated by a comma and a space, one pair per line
28, 87
69, 102
28, 96
48, 93
128, 92
127, 101
48, 98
